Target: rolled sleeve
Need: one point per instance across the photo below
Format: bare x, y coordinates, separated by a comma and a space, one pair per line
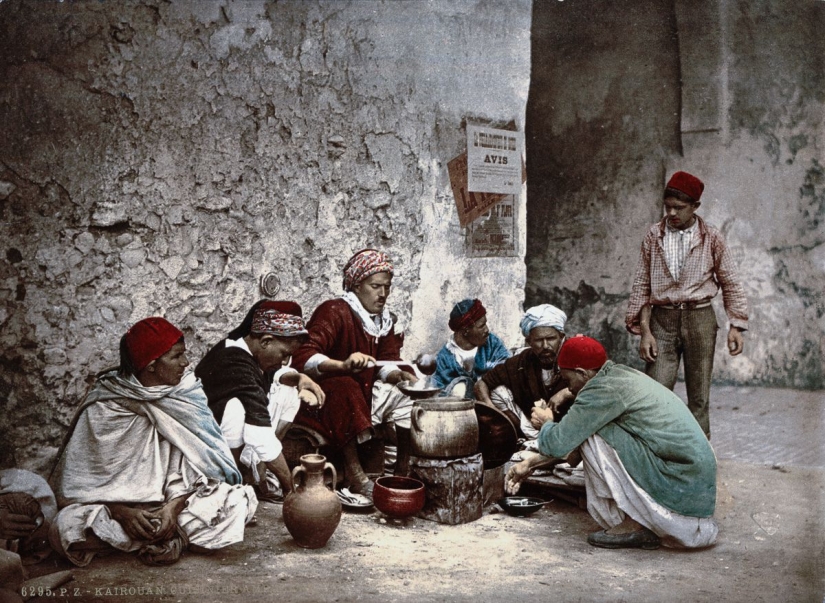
311, 366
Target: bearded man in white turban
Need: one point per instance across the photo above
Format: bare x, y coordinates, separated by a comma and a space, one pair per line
531, 378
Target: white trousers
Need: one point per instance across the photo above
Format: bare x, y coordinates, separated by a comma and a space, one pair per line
390, 405
612, 495
502, 399
260, 443
214, 517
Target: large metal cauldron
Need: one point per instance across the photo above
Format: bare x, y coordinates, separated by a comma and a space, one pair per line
444, 428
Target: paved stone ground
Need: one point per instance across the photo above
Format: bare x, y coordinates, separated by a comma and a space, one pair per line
767, 426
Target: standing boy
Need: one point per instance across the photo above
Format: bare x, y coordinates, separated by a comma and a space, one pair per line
684, 262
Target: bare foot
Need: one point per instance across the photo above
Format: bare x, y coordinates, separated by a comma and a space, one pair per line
364, 487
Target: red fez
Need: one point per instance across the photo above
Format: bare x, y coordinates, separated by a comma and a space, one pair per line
581, 352
687, 184
150, 339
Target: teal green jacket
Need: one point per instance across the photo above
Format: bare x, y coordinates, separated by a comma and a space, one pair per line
658, 441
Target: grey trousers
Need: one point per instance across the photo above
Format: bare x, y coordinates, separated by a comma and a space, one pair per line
688, 334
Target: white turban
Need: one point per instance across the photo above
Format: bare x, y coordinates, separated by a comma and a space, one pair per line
544, 315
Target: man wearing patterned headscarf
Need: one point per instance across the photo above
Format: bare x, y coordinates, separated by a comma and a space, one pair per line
348, 338
144, 466
531, 377
470, 352
255, 395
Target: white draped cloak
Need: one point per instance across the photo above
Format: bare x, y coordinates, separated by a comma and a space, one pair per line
136, 444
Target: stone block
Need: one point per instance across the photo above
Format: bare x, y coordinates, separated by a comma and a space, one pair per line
453, 488
493, 484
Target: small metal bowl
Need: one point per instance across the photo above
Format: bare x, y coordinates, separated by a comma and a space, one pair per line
521, 506
418, 393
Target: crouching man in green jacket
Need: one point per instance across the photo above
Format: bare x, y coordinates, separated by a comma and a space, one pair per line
649, 470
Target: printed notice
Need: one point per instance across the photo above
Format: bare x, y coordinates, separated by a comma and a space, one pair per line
469, 205
494, 160
494, 233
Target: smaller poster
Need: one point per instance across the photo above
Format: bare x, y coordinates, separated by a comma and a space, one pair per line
494, 233
494, 160
469, 205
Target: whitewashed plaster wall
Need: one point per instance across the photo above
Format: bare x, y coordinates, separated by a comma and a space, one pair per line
159, 157
730, 90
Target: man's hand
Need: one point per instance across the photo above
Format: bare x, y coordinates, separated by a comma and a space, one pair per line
14, 525
517, 474
560, 399
541, 414
736, 343
357, 362
399, 376
310, 392
648, 349
137, 523
168, 517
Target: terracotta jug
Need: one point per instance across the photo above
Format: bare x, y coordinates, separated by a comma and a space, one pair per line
444, 428
312, 510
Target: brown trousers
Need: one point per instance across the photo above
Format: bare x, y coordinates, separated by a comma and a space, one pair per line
688, 334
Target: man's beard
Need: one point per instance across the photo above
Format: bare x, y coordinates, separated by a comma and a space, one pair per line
547, 361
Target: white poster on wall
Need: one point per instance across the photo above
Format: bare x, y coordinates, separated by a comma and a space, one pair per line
494, 160
495, 233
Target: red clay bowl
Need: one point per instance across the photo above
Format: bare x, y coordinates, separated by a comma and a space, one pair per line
398, 496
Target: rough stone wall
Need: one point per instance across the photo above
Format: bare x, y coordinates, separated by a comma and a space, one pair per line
159, 157
731, 90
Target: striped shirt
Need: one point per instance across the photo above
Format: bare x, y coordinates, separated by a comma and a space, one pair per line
676, 245
707, 268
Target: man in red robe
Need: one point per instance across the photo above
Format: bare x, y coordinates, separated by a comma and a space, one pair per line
354, 353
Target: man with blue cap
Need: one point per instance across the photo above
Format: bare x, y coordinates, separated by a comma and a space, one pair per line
470, 352
531, 377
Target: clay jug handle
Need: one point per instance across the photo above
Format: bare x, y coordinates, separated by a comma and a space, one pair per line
334, 474
416, 417
295, 472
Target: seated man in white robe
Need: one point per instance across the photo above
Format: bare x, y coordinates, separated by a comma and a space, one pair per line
145, 467
27, 507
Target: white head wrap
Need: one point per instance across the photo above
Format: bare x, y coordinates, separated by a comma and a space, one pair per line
544, 315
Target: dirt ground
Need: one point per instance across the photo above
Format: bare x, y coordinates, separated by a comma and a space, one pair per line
771, 547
